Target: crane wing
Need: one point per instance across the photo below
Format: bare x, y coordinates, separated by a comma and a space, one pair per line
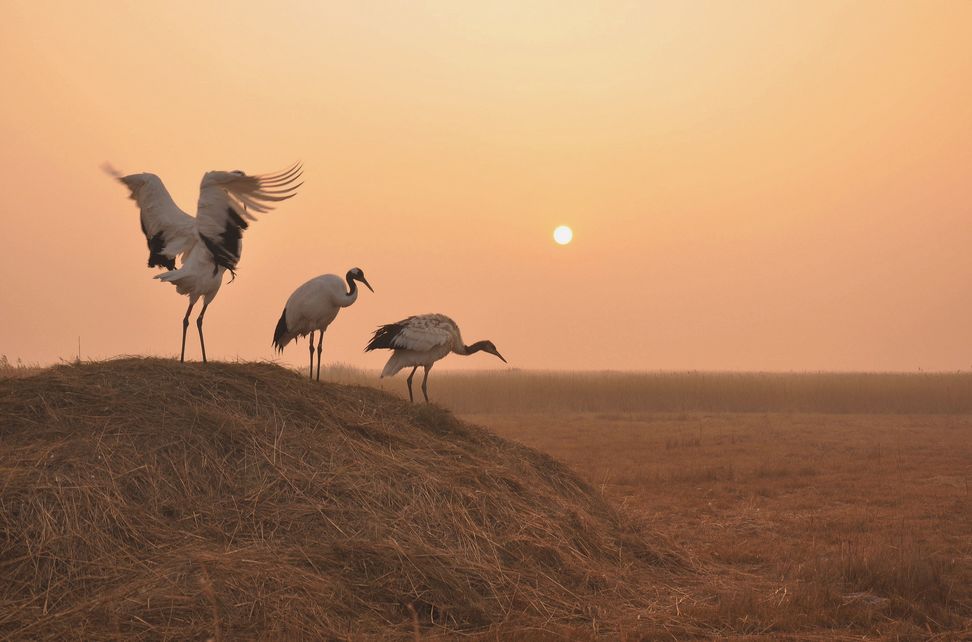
419, 333
226, 200
168, 230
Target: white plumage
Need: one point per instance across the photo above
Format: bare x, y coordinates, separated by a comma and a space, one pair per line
210, 243
312, 307
422, 340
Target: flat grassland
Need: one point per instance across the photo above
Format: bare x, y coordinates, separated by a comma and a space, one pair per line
817, 506
799, 524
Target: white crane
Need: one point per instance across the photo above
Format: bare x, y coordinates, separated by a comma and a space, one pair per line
422, 340
312, 307
211, 242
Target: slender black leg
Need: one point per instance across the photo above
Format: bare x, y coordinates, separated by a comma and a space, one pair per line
310, 347
320, 346
199, 321
425, 382
185, 325
410, 398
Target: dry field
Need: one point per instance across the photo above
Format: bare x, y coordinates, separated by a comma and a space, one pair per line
802, 507
817, 506
808, 524
515, 391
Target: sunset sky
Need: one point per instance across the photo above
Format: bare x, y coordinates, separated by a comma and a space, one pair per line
752, 185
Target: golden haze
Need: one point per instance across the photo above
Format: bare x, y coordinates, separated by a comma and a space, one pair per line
752, 185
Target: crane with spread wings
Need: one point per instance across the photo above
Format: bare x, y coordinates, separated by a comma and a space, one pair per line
210, 243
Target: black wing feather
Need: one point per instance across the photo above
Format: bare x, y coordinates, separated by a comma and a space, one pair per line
226, 247
384, 336
155, 246
279, 331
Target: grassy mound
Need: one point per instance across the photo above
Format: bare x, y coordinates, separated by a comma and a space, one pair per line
141, 498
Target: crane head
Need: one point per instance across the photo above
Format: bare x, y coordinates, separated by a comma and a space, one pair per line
487, 346
357, 274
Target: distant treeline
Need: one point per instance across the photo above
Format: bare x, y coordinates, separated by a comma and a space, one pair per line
541, 391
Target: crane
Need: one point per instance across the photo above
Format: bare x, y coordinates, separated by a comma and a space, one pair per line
209, 243
312, 307
422, 340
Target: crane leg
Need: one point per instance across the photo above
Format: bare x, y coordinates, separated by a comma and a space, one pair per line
320, 346
410, 398
185, 325
310, 347
425, 384
199, 321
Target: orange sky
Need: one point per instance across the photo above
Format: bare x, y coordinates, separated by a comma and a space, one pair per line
752, 185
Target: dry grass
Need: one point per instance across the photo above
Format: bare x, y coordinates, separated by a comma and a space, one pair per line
616, 392
804, 526
10, 370
623, 393
141, 499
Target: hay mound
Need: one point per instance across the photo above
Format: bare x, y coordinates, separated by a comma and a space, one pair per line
140, 498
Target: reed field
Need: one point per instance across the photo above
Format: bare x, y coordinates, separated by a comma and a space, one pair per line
688, 506
517, 391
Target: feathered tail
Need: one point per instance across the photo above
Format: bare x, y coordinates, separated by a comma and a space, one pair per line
281, 336
394, 365
384, 337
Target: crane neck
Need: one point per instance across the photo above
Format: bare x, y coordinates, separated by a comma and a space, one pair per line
472, 349
352, 294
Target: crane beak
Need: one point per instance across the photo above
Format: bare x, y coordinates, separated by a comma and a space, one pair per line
500, 356
365, 281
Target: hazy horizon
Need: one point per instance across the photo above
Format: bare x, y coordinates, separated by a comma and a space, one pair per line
753, 187
333, 370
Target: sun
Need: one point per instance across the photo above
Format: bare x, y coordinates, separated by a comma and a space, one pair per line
563, 235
